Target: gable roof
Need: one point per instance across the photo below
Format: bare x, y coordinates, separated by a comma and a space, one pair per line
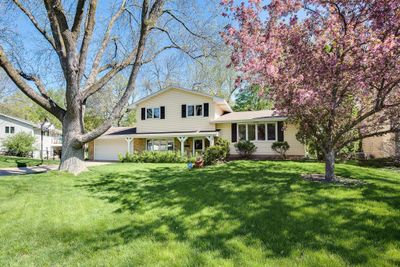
33, 125
249, 116
218, 100
29, 123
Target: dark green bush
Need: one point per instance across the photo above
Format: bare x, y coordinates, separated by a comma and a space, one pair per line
155, 157
224, 144
281, 148
245, 148
20, 144
214, 154
217, 153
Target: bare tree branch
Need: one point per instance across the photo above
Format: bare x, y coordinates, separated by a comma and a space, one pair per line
56, 31
15, 76
89, 28
95, 66
35, 23
177, 45
80, 10
148, 19
183, 24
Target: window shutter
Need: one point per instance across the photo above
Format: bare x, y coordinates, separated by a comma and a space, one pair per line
183, 111
234, 132
280, 132
162, 112
143, 114
206, 109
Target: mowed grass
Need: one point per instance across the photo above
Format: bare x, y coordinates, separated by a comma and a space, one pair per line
11, 162
237, 214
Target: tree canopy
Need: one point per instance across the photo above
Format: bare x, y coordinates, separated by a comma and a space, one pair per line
333, 66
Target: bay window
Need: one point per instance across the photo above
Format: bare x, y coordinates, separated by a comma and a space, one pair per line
258, 132
261, 132
251, 132
242, 132
271, 130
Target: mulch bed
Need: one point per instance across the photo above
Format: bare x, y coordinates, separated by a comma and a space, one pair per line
337, 180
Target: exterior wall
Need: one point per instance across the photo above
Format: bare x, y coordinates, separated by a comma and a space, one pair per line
48, 140
173, 100
19, 127
109, 149
264, 147
380, 146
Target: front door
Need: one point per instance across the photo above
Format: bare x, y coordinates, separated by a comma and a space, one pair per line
198, 145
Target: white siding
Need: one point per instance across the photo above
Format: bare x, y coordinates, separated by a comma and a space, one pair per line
19, 127
24, 127
173, 101
109, 149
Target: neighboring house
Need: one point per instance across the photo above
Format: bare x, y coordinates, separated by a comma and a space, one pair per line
51, 141
384, 146
186, 121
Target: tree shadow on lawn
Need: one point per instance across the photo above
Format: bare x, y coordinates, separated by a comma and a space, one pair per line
211, 207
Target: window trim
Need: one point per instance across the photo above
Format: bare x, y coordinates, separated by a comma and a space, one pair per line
152, 113
256, 133
11, 129
194, 110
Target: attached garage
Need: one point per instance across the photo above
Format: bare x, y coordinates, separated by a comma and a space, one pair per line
110, 148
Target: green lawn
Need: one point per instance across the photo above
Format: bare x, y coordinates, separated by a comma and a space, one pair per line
10, 162
237, 214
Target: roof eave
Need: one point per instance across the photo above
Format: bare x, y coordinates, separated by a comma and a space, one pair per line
249, 120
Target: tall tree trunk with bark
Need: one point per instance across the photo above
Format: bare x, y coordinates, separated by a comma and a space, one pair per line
72, 157
330, 164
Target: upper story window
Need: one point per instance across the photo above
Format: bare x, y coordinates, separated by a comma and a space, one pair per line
259, 132
190, 110
9, 129
201, 110
153, 113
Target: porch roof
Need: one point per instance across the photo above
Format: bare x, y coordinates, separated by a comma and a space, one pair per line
117, 132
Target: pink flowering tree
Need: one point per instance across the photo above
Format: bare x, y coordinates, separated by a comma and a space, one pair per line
333, 65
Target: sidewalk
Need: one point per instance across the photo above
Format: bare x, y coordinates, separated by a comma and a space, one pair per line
27, 170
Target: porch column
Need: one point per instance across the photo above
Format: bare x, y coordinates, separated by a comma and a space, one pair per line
182, 139
210, 139
129, 141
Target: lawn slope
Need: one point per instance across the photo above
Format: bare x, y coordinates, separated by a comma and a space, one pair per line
241, 213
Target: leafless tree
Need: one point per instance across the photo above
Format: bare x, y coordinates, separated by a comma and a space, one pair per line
89, 60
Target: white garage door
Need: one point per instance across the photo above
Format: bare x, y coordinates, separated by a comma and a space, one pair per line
108, 149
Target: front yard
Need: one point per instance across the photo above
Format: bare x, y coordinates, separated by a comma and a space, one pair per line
237, 214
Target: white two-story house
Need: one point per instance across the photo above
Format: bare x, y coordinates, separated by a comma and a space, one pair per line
10, 126
185, 121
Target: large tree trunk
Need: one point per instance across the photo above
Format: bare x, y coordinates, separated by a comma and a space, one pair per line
330, 165
72, 157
